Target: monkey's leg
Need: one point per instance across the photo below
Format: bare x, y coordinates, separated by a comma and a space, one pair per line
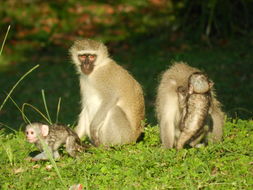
99, 120
41, 156
71, 146
56, 155
83, 124
197, 141
116, 128
188, 132
169, 121
94, 134
215, 135
183, 138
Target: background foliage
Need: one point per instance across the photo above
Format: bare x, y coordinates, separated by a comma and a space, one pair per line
144, 36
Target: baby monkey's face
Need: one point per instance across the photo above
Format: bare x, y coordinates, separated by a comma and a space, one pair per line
31, 135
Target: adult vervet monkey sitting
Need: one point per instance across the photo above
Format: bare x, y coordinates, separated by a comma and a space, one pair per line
112, 100
170, 110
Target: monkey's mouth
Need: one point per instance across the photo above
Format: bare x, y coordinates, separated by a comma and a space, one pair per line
85, 64
87, 67
31, 140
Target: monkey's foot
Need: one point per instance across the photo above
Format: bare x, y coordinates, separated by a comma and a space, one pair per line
38, 159
179, 147
31, 159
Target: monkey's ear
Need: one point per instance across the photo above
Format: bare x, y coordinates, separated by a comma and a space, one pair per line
44, 130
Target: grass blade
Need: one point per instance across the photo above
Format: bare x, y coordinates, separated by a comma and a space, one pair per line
6, 126
8, 95
58, 110
45, 105
5, 37
9, 153
51, 159
36, 109
22, 112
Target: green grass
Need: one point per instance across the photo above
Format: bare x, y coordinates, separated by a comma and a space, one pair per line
145, 165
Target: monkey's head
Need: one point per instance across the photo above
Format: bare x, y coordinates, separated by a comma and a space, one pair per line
34, 130
199, 83
87, 54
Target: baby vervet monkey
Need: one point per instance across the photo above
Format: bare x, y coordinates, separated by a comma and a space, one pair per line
171, 111
111, 99
53, 136
195, 100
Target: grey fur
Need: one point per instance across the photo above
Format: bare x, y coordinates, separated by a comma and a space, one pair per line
58, 136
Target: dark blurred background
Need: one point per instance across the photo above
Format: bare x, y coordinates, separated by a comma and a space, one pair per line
142, 36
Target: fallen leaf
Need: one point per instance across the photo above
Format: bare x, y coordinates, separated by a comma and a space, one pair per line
36, 166
214, 171
19, 170
49, 167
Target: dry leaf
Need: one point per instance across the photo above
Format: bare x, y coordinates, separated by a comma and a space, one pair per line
19, 170
49, 167
36, 166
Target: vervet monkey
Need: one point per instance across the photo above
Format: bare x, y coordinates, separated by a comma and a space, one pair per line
195, 101
170, 112
112, 100
54, 136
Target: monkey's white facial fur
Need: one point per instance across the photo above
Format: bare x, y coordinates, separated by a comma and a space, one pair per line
87, 55
31, 135
34, 130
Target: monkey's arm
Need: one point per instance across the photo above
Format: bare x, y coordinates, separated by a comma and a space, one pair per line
99, 119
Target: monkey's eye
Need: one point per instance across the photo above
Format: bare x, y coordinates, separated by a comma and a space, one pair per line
32, 132
92, 57
82, 57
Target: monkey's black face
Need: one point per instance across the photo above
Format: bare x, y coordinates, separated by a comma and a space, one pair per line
87, 62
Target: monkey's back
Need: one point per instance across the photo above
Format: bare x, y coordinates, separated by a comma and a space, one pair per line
196, 110
60, 133
176, 75
179, 72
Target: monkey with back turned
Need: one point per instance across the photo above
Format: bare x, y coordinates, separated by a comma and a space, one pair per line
53, 136
171, 110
